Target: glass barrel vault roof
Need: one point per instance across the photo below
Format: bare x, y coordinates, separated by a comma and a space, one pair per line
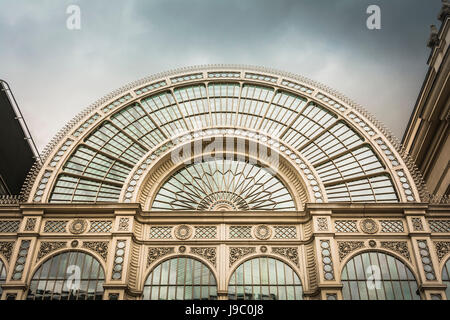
95, 158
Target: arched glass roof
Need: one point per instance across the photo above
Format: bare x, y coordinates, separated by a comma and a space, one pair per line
105, 148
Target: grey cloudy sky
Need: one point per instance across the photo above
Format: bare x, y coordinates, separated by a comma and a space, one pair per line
55, 72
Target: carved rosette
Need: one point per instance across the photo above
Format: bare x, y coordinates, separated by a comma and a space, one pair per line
401, 247
369, 226
346, 247
262, 232
48, 247
208, 253
78, 226
442, 249
290, 253
236, 253
6, 248
100, 247
183, 232
156, 253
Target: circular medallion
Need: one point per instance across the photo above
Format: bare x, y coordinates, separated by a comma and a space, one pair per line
368, 226
74, 243
263, 249
182, 249
183, 232
78, 226
372, 243
263, 232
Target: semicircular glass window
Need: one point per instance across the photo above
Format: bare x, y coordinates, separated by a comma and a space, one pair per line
264, 279
378, 276
180, 279
224, 185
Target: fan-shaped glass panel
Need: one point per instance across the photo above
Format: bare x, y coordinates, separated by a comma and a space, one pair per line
378, 276
223, 184
264, 279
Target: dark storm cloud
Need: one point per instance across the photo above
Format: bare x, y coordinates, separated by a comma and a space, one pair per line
55, 72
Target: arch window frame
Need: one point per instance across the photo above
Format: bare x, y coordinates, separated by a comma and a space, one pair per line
44, 266
277, 260
148, 285
411, 277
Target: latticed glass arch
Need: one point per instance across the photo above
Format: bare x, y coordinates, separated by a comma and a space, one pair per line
350, 156
180, 278
72, 275
264, 278
378, 276
2, 275
446, 278
223, 184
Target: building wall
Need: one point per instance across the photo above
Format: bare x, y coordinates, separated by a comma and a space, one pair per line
348, 228
427, 136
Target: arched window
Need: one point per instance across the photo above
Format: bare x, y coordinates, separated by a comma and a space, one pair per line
180, 279
265, 279
223, 184
68, 276
446, 278
2, 275
378, 276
